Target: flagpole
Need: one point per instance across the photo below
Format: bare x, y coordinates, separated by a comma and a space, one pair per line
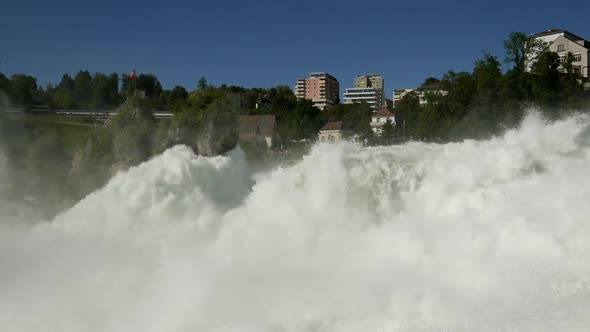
135, 83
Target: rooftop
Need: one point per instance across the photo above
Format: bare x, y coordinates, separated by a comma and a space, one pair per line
556, 31
384, 112
334, 125
263, 124
431, 86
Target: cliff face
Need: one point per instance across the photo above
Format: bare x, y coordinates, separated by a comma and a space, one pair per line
206, 141
209, 132
133, 136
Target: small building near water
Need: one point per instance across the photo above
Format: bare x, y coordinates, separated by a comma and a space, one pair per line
380, 118
331, 132
260, 130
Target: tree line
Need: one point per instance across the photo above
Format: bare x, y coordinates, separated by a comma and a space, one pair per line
477, 104
486, 101
85, 91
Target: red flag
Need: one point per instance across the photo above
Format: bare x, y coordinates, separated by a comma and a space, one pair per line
132, 75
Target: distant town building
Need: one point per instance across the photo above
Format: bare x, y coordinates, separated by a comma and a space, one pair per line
260, 130
422, 92
563, 42
331, 132
370, 96
388, 103
262, 102
368, 89
322, 89
399, 94
380, 118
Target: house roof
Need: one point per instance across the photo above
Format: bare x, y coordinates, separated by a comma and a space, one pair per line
548, 32
581, 42
431, 86
383, 113
566, 34
264, 124
584, 43
334, 125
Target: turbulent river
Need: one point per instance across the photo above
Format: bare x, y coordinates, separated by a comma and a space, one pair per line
474, 236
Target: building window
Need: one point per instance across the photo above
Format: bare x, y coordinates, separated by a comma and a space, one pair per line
577, 57
560, 48
562, 59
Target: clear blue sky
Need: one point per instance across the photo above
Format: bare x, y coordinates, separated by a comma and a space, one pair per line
268, 43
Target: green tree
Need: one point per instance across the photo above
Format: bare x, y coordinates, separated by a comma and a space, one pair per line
516, 50
545, 80
67, 83
303, 122
487, 74
570, 88
430, 80
202, 84
388, 130
83, 89
177, 99
355, 118
22, 89
101, 94
62, 99
4, 83
150, 84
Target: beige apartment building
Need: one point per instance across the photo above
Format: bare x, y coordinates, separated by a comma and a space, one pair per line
321, 88
563, 42
369, 81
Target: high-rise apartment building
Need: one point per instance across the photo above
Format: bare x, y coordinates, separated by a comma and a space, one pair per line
322, 89
370, 96
369, 81
368, 89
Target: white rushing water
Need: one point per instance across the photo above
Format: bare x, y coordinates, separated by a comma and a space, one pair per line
472, 236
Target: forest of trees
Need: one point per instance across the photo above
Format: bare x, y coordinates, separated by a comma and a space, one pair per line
84, 91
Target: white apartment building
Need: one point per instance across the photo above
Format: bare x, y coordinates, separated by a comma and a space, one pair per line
371, 96
422, 92
380, 118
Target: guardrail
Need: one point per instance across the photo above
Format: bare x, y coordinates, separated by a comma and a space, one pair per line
95, 113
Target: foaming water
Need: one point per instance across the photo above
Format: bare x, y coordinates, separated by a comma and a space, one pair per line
486, 236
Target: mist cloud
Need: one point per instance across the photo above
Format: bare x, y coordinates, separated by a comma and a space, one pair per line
479, 235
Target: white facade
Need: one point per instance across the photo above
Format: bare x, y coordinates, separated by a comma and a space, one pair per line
562, 42
330, 136
399, 94
422, 94
300, 88
380, 118
371, 96
563, 46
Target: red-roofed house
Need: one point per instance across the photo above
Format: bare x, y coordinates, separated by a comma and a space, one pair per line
378, 119
258, 129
